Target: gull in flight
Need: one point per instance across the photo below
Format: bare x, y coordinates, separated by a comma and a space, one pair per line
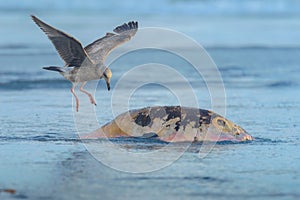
85, 64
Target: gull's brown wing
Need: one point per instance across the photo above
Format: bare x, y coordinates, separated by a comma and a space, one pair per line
69, 49
99, 49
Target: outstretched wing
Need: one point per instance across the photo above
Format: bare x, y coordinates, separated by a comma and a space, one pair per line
99, 49
69, 49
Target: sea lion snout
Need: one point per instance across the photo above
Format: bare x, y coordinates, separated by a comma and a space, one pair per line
242, 135
246, 137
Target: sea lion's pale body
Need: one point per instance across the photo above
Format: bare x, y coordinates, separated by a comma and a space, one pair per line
172, 124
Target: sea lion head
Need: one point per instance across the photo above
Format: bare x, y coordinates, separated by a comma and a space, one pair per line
222, 129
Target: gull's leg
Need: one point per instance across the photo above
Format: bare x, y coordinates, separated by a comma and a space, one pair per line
76, 98
92, 100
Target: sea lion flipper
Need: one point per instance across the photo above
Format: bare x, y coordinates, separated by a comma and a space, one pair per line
149, 135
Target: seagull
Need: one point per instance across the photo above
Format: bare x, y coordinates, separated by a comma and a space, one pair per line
85, 64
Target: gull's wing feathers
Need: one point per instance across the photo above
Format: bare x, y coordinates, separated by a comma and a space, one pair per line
99, 49
69, 49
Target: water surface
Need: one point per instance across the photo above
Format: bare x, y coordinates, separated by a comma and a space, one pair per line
41, 157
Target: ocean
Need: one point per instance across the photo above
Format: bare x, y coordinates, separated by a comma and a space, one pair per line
255, 46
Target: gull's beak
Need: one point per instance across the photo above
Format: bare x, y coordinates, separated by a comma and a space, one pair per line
108, 84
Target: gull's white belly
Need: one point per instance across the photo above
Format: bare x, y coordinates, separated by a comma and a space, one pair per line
82, 74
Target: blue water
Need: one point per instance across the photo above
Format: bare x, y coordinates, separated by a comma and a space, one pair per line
255, 45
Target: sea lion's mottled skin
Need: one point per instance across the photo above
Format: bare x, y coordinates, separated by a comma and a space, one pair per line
172, 124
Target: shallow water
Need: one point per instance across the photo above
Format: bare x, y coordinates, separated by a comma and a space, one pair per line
41, 157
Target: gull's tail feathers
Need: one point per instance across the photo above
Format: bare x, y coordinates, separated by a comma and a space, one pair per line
53, 68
